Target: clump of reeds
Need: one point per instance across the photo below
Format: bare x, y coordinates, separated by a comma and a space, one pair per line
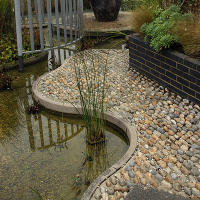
187, 32
90, 71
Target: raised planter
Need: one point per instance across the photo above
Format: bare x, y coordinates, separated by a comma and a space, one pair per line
176, 71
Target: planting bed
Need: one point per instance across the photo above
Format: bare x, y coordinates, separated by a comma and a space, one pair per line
174, 70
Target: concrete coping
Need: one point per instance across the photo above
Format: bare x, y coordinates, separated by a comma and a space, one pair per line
110, 117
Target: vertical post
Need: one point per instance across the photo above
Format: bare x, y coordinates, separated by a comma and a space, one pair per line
81, 14
40, 24
19, 33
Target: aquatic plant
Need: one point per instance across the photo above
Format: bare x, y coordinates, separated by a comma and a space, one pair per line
5, 80
37, 193
34, 108
90, 72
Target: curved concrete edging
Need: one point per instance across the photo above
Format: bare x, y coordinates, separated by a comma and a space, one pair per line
130, 131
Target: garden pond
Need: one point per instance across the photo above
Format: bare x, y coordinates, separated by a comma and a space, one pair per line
45, 156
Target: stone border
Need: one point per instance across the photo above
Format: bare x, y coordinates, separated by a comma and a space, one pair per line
174, 70
129, 130
29, 61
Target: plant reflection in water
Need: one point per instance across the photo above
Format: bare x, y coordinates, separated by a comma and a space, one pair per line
46, 151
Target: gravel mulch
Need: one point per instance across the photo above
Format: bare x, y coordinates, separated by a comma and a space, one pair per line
168, 152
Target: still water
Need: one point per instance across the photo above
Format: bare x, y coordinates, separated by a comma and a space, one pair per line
45, 156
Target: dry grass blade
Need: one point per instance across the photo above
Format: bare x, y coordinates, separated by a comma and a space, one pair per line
188, 34
140, 16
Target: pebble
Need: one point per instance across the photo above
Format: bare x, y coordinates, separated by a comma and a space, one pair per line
113, 180
122, 183
187, 191
131, 174
110, 191
195, 192
174, 176
159, 177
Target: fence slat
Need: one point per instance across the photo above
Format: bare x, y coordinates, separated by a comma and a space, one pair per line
57, 22
38, 14
64, 19
30, 19
70, 20
76, 17
40, 24
49, 22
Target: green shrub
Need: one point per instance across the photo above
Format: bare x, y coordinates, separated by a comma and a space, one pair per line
159, 32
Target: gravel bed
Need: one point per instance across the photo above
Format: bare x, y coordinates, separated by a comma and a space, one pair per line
168, 152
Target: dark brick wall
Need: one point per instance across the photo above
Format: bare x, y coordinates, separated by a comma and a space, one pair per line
174, 70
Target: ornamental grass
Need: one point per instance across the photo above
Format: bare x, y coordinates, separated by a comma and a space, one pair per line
187, 32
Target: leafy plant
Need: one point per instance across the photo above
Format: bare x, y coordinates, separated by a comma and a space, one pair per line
187, 32
159, 32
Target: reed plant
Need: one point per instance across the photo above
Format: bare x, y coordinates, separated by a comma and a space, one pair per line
90, 72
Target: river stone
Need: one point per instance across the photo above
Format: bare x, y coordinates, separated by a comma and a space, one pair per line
177, 187
102, 189
132, 163
129, 184
165, 185
159, 177
195, 171
113, 180
174, 176
195, 192
122, 183
187, 191
110, 191
131, 174
128, 168
195, 146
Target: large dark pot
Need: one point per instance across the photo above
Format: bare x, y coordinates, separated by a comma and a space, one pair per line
105, 10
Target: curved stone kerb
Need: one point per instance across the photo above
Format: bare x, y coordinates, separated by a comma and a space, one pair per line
129, 130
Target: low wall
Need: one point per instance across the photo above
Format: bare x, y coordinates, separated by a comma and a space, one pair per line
171, 69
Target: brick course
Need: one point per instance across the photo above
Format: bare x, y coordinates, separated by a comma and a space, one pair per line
176, 71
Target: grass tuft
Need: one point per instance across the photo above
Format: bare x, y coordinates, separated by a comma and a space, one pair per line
187, 32
140, 16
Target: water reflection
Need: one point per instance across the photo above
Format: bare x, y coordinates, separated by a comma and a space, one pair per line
47, 152
57, 57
